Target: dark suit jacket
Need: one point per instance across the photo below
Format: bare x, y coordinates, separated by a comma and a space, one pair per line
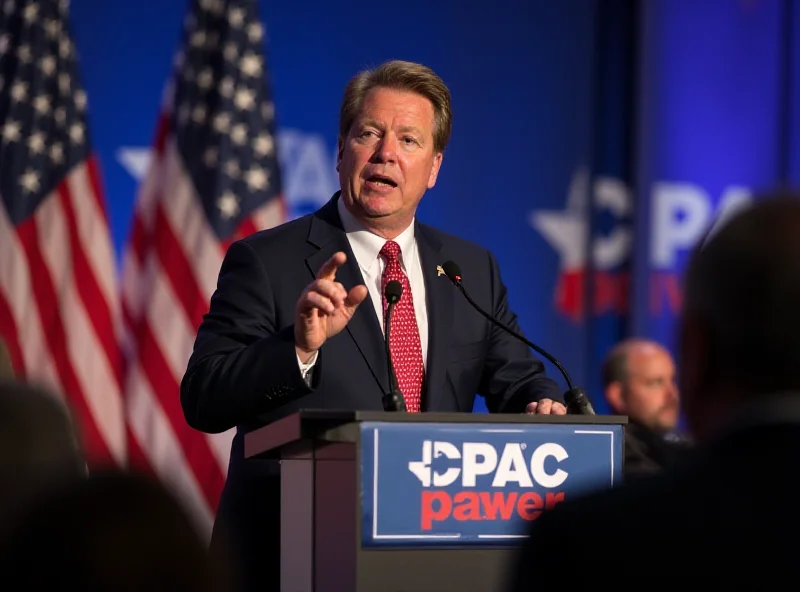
647, 452
728, 518
244, 371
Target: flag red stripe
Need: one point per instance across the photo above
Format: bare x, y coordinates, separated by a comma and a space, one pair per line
162, 133
127, 318
196, 449
89, 290
178, 270
182, 238
245, 228
96, 449
137, 459
94, 175
138, 242
139, 239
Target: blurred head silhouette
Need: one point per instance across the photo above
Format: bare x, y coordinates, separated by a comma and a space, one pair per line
39, 445
740, 327
6, 368
112, 531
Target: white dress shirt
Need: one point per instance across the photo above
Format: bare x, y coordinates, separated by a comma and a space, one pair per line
366, 247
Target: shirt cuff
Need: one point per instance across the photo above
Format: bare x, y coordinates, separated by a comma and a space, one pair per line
305, 369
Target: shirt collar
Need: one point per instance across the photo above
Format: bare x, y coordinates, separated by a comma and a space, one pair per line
367, 245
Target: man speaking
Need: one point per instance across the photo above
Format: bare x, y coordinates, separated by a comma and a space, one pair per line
297, 317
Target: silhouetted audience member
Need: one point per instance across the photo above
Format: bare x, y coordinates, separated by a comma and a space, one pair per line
113, 531
6, 368
39, 444
729, 516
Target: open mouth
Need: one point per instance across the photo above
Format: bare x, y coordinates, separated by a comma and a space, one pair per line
381, 181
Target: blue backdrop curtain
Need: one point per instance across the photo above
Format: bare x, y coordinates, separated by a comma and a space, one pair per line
711, 130
610, 219
594, 141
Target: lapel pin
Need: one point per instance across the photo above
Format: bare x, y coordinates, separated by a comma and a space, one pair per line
439, 271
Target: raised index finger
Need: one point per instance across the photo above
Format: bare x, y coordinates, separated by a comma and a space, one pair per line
328, 269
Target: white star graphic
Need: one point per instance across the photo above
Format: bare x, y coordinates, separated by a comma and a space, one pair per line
255, 31
135, 160
30, 181
565, 230
57, 153
245, 99
257, 178
36, 143
19, 91
263, 145
250, 65
228, 205
11, 131
236, 17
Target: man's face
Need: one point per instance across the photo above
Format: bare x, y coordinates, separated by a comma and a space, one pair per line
387, 161
650, 395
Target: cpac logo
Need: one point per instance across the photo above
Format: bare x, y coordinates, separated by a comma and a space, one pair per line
461, 498
683, 213
567, 231
680, 215
479, 459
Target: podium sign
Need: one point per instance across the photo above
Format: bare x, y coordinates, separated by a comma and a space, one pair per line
428, 502
475, 484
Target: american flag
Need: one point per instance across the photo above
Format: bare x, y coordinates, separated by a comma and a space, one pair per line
214, 178
59, 311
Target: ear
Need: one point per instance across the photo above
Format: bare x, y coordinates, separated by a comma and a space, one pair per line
615, 399
339, 152
437, 163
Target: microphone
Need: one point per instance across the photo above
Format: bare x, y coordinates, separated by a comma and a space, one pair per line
577, 401
394, 399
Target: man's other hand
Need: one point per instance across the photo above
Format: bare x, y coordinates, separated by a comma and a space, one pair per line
545, 407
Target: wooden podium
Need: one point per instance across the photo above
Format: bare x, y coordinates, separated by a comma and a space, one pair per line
424, 502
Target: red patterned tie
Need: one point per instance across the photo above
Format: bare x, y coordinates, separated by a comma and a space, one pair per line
404, 342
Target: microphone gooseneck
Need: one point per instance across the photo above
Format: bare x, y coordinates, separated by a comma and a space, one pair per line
577, 401
394, 399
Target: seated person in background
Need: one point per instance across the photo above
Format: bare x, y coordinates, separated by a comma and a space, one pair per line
639, 381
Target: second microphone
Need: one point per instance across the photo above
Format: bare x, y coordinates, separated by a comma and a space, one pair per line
393, 399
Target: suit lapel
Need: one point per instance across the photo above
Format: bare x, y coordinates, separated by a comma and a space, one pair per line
440, 294
327, 234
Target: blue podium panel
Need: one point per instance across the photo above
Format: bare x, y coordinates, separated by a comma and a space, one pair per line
446, 485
